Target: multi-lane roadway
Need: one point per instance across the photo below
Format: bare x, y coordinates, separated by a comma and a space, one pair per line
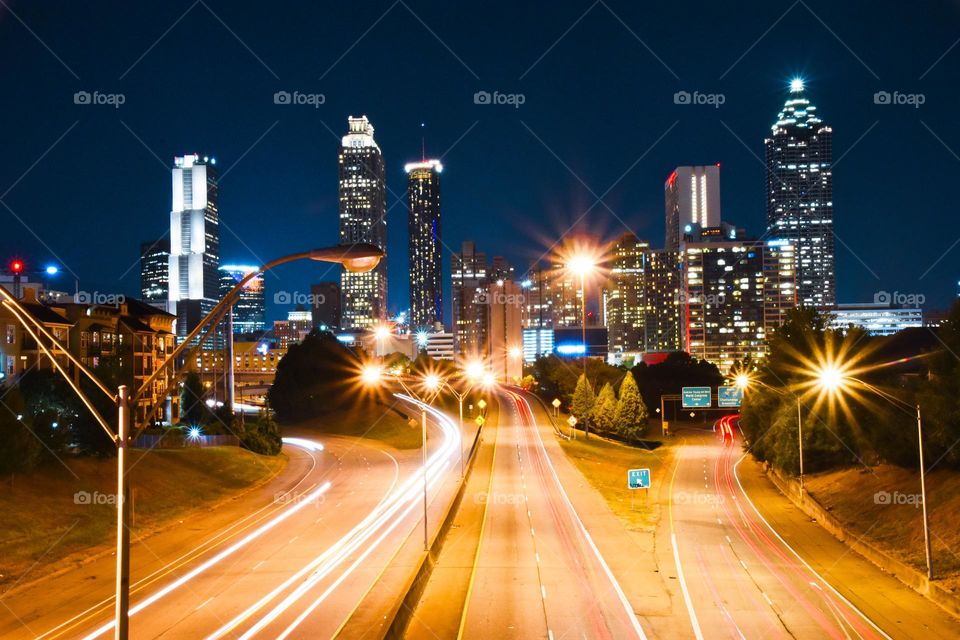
296, 567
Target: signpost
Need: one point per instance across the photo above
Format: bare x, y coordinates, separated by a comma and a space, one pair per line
556, 407
730, 396
638, 479
573, 423
696, 398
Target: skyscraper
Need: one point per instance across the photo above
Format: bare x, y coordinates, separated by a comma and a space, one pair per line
800, 195
325, 305
426, 289
624, 296
363, 218
250, 311
735, 292
661, 301
470, 275
155, 271
194, 241
691, 197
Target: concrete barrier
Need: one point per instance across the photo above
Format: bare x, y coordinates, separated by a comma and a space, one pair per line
884, 561
402, 611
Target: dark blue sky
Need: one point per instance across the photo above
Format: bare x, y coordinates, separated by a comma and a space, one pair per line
598, 81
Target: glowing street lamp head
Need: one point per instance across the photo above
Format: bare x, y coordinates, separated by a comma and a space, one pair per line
371, 374
829, 378
423, 338
580, 265
796, 85
194, 433
474, 370
52, 270
514, 352
382, 332
742, 380
489, 380
431, 382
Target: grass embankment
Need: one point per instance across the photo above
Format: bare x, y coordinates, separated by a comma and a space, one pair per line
52, 513
883, 506
605, 463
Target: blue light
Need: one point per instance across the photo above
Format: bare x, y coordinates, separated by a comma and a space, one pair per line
52, 270
526, 284
194, 433
571, 349
345, 337
422, 338
688, 229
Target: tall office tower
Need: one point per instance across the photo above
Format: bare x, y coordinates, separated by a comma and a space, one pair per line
735, 293
426, 282
155, 271
563, 289
800, 195
470, 275
691, 197
326, 305
623, 301
504, 348
662, 322
500, 269
250, 311
363, 218
194, 241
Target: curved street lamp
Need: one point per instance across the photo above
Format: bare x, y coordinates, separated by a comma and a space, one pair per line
358, 258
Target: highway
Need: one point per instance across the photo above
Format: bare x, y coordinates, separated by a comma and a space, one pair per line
297, 567
538, 573
740, 578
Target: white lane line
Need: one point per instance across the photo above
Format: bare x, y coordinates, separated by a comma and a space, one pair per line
631, 614
143, 604
767, 598
683, 588
797, 555
543, 592
204, 603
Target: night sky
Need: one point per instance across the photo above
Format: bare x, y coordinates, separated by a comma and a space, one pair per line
83, 185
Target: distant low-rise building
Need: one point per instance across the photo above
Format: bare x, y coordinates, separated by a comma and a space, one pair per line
878, 319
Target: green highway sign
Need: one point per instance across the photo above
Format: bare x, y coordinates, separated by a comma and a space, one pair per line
730, 396
696, 397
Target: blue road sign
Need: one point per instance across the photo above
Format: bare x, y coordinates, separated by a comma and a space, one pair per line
638, 478
696, 397
729, 396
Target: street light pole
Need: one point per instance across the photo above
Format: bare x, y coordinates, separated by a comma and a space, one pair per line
923, 497
800, 442
423, 448
122, 613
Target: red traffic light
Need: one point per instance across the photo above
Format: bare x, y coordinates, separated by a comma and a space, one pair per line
16, 266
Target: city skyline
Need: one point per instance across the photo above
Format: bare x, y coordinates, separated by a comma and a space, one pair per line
294, 185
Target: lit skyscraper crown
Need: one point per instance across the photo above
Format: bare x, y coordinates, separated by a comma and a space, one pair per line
797, 111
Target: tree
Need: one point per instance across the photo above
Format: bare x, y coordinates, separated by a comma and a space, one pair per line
605, 411
631, 414
583, 402
193, 410
21, 448
314, 378
263, 436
